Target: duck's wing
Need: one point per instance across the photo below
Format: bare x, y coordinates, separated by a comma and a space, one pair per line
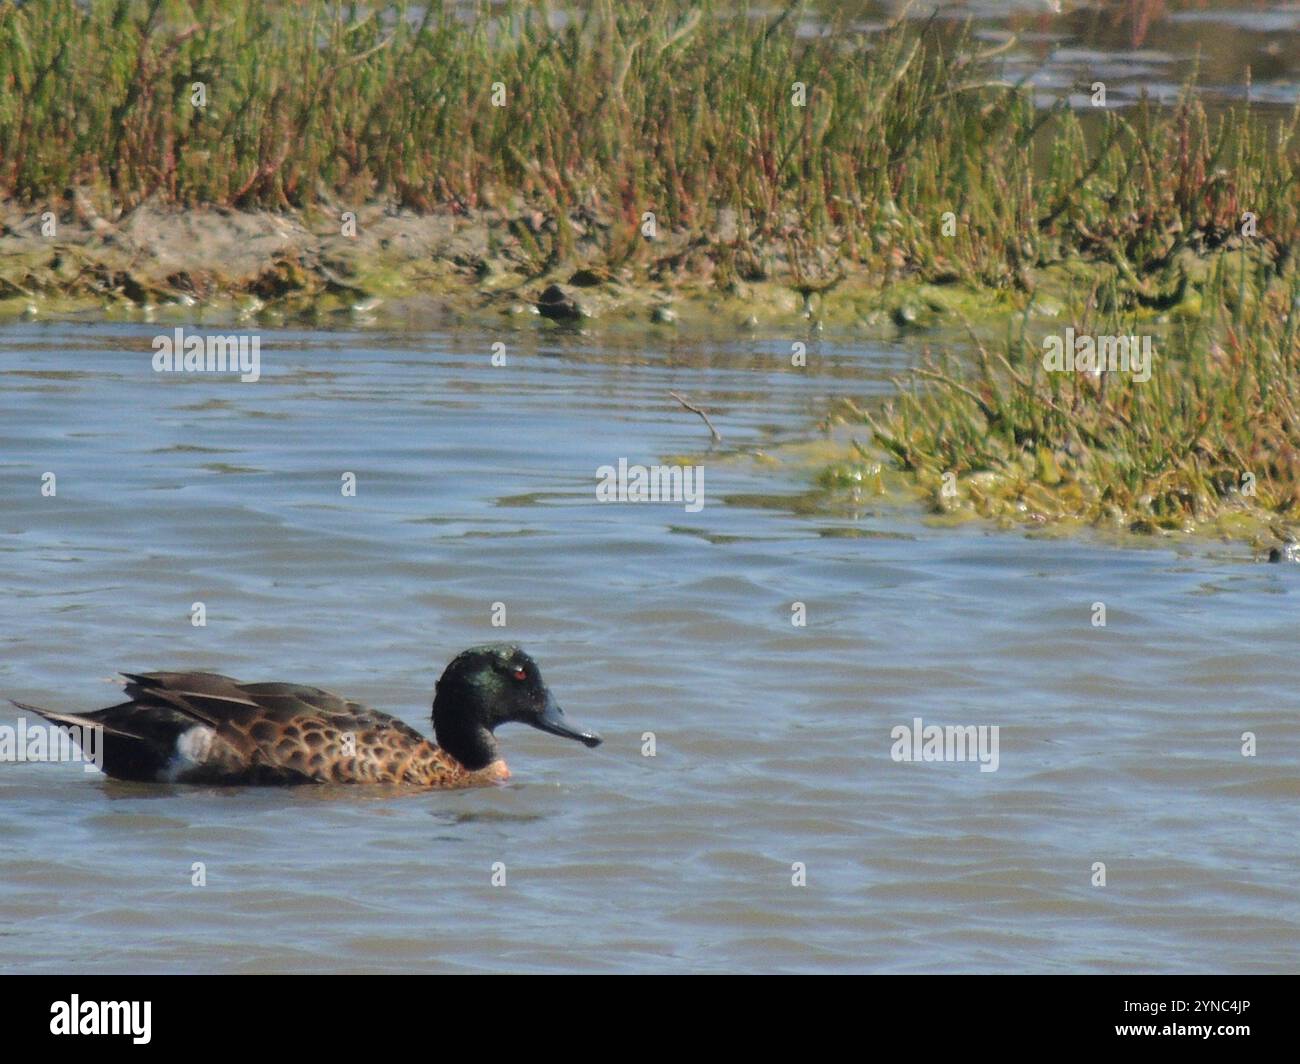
291, 701
203, 697
218, 700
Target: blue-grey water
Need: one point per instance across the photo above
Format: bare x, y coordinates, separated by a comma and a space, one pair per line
1120, 745
1232, 49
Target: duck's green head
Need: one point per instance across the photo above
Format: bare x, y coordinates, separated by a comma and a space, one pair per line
487, 686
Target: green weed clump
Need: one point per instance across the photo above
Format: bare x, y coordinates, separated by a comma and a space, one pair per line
1211, 441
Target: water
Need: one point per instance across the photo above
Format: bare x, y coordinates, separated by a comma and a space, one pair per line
1063, 47
476, 483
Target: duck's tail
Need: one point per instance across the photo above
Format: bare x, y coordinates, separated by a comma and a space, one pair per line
73, 720
111, 744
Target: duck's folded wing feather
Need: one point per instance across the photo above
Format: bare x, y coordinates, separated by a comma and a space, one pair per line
225, 703
207, 697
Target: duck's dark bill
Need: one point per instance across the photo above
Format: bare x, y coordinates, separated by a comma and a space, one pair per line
552, 720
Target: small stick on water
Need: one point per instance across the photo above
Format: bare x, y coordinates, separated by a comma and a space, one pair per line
717, 436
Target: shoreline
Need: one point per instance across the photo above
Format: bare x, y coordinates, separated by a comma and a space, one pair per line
213, 266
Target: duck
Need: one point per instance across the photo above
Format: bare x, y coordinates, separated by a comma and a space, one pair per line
205, 728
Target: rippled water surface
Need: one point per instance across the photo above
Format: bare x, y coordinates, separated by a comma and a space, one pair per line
1062, 48
476, 484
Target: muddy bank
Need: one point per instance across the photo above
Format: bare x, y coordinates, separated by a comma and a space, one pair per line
395, 267
398, 266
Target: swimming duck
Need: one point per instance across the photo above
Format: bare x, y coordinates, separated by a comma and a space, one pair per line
200, 727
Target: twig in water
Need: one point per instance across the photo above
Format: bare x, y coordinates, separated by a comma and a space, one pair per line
717, 436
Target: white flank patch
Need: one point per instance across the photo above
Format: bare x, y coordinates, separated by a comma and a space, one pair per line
192, 749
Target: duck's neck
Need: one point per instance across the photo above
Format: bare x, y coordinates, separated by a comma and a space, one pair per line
457, 732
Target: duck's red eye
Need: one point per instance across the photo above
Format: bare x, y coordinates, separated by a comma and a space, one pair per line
521, 674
